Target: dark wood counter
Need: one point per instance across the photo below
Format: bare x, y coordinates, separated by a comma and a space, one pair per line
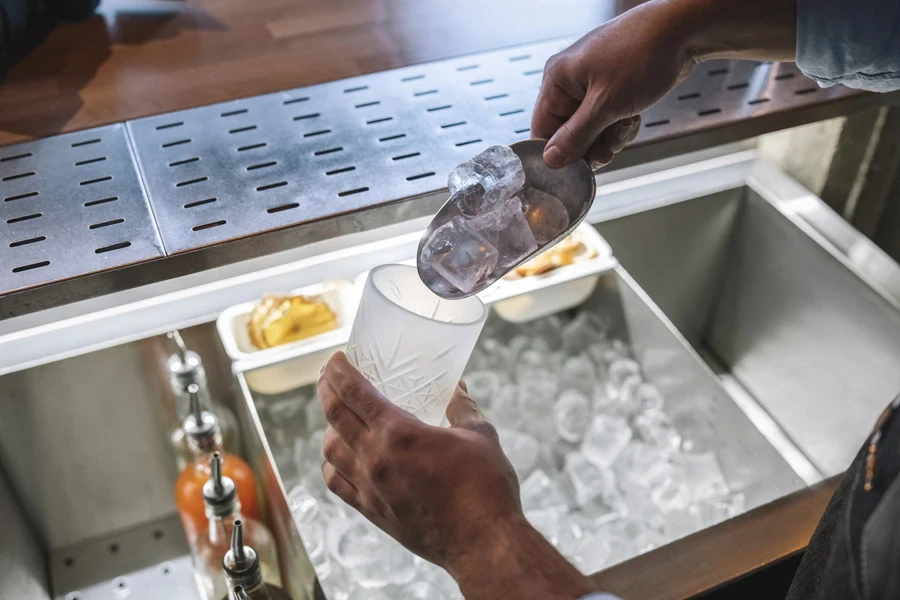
142, 57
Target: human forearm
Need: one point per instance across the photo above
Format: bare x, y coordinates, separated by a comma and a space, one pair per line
518, 563
757, 30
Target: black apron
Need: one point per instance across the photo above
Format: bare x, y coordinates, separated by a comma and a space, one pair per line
855, 552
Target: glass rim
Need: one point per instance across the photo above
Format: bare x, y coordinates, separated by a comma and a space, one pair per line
481, 304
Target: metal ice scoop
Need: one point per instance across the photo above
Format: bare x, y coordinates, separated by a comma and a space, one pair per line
573, 185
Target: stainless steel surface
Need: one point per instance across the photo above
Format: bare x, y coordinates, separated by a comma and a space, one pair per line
72, 205
678, 254
858, 251
699, 405
70, 436
815, 344
574, 185
764, 422
298, 575
695, 399
444, 111
23, 574
810, 337
147, 562
71, 431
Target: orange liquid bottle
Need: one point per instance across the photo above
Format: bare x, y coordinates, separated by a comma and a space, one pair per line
204, 437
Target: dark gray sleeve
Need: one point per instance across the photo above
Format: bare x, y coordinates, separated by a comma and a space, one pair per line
852, 42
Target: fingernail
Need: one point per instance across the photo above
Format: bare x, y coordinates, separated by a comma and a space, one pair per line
623, 130
555, 158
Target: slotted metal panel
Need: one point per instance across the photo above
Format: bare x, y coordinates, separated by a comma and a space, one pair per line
71, 205
229, 171
248, 166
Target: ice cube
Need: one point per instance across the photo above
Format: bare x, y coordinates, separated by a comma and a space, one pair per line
492, 355
490, 177
547, 215
397, 562
680, 523
504, 410
303, 504
483, 387
466, 176
539, 492
702, 475
421, 590
712, 512
353, 543
642, 466
655, 428
521, 449
536, 399
571, 533
578, 373
532, 365
506, 228
588, 481
336, 583
460, 255
649, 397
505, 167
467, 191
547, 522
671, 495
605, 439
621, 371
572, 412
595, 553
367, 594
585, 329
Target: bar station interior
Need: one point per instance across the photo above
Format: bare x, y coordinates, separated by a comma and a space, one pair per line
195, 195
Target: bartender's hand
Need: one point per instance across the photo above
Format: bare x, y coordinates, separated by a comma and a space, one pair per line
593, 92
448, 494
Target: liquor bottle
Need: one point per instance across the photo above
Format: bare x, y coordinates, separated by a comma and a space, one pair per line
223, 510
186, 368
244, 573
204, 438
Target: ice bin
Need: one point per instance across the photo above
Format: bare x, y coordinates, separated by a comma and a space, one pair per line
776, 332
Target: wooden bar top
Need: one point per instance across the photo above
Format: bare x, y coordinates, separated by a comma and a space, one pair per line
140, 57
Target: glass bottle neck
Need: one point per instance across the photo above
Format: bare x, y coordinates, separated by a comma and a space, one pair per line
203, 452
220, 527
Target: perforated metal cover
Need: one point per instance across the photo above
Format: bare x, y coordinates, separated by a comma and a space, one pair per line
230, 170
71, 205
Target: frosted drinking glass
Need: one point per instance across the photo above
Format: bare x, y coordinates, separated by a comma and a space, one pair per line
411, 344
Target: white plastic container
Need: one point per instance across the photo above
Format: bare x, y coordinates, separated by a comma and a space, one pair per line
295, 364
536, 296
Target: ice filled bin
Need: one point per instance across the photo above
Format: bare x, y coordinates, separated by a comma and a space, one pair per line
799, 322
670, 452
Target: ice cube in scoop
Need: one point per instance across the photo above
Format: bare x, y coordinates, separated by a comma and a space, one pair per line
490, 177
459, 254
505, 226
547, 215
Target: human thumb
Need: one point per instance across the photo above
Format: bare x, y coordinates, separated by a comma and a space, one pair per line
462, 410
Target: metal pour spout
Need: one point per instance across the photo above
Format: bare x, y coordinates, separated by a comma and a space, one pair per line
237, 544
